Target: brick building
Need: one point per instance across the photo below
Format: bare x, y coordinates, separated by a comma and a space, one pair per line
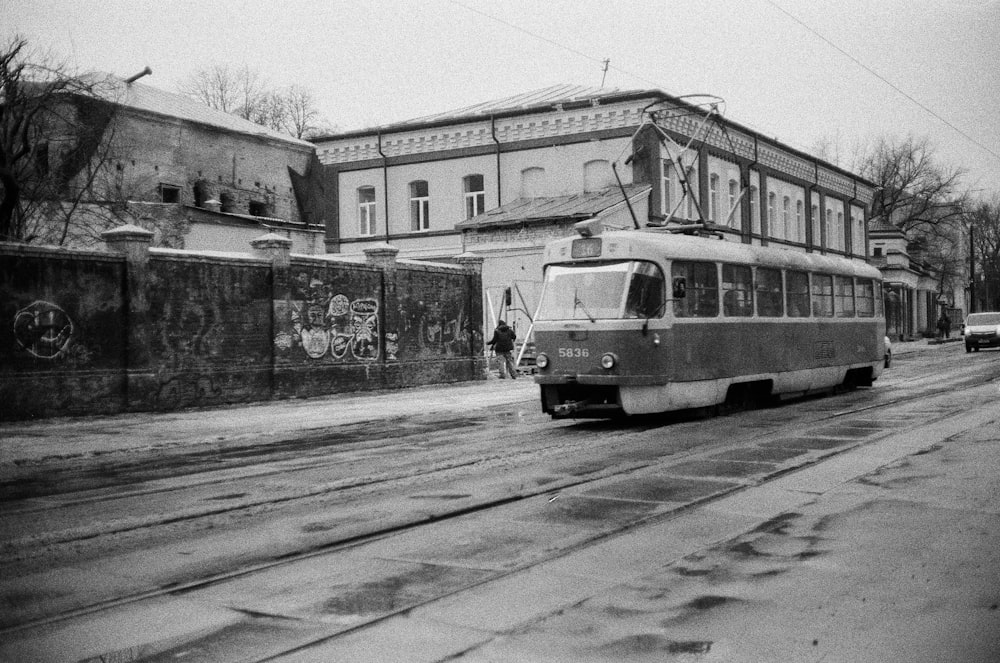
199, 178
501, 178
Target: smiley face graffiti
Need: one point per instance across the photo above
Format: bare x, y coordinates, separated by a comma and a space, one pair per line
43, 329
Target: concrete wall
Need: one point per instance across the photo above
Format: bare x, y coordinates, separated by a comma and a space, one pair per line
141, 329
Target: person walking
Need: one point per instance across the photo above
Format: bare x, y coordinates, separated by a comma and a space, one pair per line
503, 344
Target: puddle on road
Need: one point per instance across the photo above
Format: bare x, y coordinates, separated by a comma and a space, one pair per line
395, 592
661, 489
806, 443
594, 511
759, 454
721, 468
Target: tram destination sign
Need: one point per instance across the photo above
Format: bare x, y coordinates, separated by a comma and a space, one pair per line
586, 248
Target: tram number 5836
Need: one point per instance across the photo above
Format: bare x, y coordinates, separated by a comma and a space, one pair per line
574, 352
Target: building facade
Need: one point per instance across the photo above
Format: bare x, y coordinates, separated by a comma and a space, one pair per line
199, 178
500, 179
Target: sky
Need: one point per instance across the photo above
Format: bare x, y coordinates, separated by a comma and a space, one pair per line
845, 72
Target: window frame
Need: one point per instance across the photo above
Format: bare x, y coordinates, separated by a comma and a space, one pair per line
420, 206
700, 298
821, 297
366, 211
769, 294
737, 302
475, 199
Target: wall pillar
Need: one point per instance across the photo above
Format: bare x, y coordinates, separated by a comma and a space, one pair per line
383, 257
133, 243
473, 264
278, 250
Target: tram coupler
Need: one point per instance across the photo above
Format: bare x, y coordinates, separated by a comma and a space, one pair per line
566, 409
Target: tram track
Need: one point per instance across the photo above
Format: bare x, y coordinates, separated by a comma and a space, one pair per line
595, 430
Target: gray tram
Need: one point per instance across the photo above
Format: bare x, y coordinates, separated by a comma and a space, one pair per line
643, 321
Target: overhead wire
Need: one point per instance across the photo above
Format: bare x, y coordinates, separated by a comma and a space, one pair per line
776, 6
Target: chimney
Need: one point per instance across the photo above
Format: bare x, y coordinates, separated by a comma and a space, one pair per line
145, 72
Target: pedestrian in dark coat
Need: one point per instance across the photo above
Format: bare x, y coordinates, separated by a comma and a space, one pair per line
503, 344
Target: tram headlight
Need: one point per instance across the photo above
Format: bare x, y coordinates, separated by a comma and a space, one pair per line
608, 360
542, 360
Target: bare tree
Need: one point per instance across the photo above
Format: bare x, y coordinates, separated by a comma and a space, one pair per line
984, 222
58, 149
913, 191
244, 93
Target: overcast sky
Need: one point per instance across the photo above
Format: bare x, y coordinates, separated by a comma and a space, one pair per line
797, 70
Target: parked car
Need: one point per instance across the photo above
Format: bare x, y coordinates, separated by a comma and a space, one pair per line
981, 330
888, 352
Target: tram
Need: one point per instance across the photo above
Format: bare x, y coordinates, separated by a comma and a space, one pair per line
643, 321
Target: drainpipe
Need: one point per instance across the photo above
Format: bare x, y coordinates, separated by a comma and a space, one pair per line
493, 133
385, 184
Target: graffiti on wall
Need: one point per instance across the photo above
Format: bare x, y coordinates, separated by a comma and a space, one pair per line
324, 322
43, 329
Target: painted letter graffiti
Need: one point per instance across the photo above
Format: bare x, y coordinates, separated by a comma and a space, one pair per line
321, 322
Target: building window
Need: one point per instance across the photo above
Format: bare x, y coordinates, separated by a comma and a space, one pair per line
800, 223
754, 210
420, 202
786, 217
713, 198
228, 202
667, 186
257, 208
817, 236
734, 199
170, 193
830, 237
475, 195
366, 211
532, 182
772, 213
597, 175
691, 186
841, 232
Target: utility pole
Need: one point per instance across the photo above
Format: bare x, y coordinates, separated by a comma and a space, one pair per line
605, 74
972, 270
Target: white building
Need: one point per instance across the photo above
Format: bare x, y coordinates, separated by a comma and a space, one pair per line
501, 178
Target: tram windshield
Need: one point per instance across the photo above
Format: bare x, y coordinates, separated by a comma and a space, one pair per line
593, 291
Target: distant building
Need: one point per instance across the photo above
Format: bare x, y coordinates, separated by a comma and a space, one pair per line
924, 277
501, 178
200, 178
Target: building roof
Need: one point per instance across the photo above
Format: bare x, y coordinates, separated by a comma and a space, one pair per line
574, 207
147, 98
526, 102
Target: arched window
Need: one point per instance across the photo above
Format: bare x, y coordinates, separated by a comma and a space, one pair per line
772, 213
532, 182
800, 234
420, 203
734, 197
366, 210
754, 210
817, 238
692, 190
830, 236
786, 216
475, 195
597, 175
666, 187
713, 198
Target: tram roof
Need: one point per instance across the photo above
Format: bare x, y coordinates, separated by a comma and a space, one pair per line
673, 246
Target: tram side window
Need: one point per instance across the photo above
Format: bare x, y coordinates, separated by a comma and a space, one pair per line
737, 290
797, 294
865, 294
843, 300
701, 299
769, 293
822, 295
645, 292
